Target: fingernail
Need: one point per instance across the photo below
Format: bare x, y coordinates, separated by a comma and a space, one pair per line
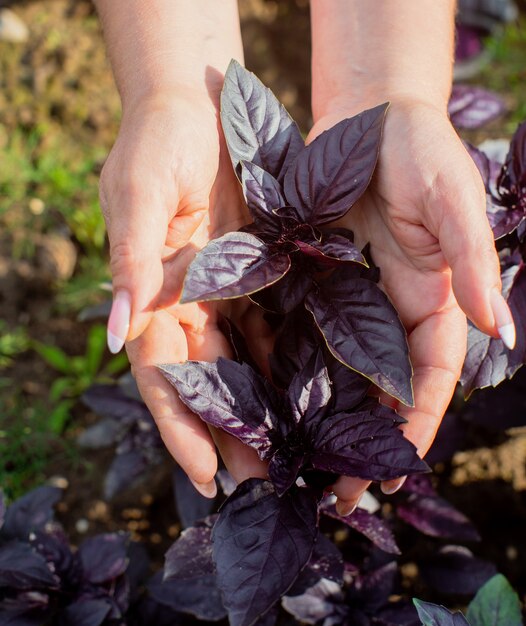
392, 486
345, 508
208, 490
119, 321
503, 319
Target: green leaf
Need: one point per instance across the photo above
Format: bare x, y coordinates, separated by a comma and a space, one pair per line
95, 348
117, 364
436, 615
496, 604
60, 416
54, 356
59, 388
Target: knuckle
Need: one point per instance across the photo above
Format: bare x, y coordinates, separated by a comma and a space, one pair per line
122, 257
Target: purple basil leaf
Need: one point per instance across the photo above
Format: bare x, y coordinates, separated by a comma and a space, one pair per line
237, 342
288, 292
21, 567
331, 250
322, 603
257, 127
503, 220
191, 505
419, 484
400, 613
2, 508
283, 469
436, 615
367, 444
481, 161
472, 107
29, 608
190, 557
54, 546
436, 517
86, 613
372, 589
124, 469
367, 524
260, 545
327, 560
495, 604
512, 180
236, 264
362, 330
104, 557
348, 387
451, 437
455, 570
230, 396
488, 362
110, 401
200, 597
263, 194
331, 174
30, 512
106, 432
310, 391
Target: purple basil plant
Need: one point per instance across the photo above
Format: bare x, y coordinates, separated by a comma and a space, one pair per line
336, 333
488, 362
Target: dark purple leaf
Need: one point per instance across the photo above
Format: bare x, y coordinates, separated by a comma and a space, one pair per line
2, 508
331, 174
230, 396
21, 567
368, 525
228, 484
111, 402
495, 604
54, 546
436, 615
257, 127
191, 505
283, 469
260, 545
399, 613
436, 517
103, 434
29, 608
86, 613
237, 342
367, 444
124, 469
348, 387
30, 512
200, 597
455, 570
323, 601
288, 292
512, 180
263, 194
190, 557
309, 392
326, 560
104, 557
236, 264
472, 107
371, 590
363, 331
331, 250
488, 362
451, 438
420, 484
481, 161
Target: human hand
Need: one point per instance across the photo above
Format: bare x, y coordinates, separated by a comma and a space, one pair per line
424, 216
167, 182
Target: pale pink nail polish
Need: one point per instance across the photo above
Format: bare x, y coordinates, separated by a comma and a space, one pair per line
503, 319
392, 486
208, 490
119, 321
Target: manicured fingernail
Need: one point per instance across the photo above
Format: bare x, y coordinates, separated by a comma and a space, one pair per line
119, 321
345, 508
392, 486
503, 319
208, 490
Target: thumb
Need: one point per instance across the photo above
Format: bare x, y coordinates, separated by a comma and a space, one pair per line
137, 234
458, 201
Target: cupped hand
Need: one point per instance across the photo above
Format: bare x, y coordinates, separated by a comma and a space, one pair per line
166, 189
424, 216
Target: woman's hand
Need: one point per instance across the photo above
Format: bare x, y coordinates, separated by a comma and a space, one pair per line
424, 215
166, 189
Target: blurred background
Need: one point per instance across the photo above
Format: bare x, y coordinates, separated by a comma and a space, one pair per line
59, 115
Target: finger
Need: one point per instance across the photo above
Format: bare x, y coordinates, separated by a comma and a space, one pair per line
206, 343
137, 223
184, 434
457, 206
349, 491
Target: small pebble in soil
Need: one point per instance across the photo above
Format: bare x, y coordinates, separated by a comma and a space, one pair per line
59, 481
512, 553
98, 511
173, 531
147, 499
156, 538
36, 206
82, 526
